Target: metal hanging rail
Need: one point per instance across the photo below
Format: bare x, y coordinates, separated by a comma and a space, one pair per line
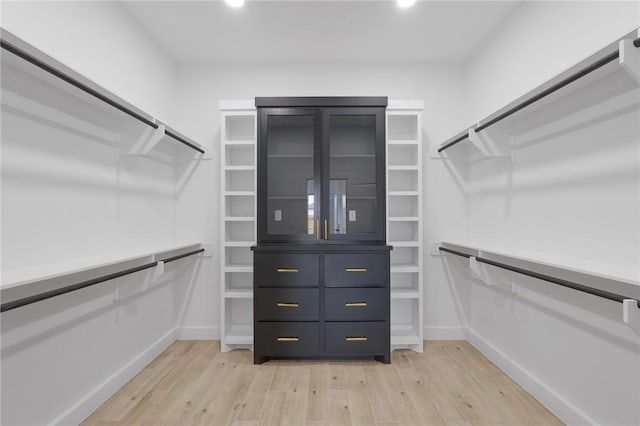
554, 88
564, 283
88, 283
10, 47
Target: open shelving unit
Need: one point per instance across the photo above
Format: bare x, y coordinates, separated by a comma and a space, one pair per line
238, 212
405, 223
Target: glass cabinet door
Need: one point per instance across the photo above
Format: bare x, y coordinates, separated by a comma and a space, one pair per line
354, 174
289, 184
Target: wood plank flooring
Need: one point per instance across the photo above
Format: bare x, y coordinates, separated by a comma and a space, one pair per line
193, 383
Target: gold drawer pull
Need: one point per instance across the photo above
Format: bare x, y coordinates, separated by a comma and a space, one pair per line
286, 305
355, 304
287, 339
356, 339
287, 270
355, 269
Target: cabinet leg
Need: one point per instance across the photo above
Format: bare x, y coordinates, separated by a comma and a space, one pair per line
257, 359
385, 359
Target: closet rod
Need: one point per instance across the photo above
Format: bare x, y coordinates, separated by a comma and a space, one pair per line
559, 85
78, 84
564, 283
88, 283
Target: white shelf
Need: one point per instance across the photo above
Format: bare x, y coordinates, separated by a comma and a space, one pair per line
46, 272
238, 294
606, 271
608, 79
404, 268
404, 335
239, 168
239, 335
238, 142
239, 219
238, 268
238, 243
404, 243
240, 193
403, 142
29, 87
404, 219
405, 294
403, 193
405, 168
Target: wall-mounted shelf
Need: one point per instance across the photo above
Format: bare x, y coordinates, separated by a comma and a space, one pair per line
238, 212
589, 278
603, 271
404, 222
48, 91
608, 73
30, 282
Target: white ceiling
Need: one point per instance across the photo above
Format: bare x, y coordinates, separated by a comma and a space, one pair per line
319, 31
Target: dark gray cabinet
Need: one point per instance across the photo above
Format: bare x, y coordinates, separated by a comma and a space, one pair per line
321, 265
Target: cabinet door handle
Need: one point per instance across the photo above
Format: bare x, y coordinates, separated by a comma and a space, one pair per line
356, 339
326, 227
287, 270
287, 339
317, 229
355, 269
286, 305
355, 304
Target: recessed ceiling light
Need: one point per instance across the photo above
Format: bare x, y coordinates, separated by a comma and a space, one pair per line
236, 3
406, 3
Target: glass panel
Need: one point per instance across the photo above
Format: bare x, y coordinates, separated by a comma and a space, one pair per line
290, 200
352, 174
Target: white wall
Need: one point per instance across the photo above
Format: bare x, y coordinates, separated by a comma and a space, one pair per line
574, 191
200, 89
64, 197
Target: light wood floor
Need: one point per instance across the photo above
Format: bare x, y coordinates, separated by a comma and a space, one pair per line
192, 382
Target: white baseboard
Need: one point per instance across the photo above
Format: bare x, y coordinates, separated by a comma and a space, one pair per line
198, 333
93, 399
556, 403
445, 333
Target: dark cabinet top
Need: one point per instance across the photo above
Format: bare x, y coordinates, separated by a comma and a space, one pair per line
322, 101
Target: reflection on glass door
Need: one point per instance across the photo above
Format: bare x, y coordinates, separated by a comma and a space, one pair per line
352, 191
291, 202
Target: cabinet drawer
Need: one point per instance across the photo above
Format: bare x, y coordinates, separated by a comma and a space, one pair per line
286, 270
356, 338
287, 339
287, 304
356, 304
350, 270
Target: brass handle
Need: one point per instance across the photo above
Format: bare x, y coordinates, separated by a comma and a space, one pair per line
287, 339
287, 270
355, 304
356, 339
286, 305
325, 229
355, 269
317, 229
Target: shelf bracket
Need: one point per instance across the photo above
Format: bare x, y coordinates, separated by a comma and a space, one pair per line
486, 144
629, 58
147, 141
631, 314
